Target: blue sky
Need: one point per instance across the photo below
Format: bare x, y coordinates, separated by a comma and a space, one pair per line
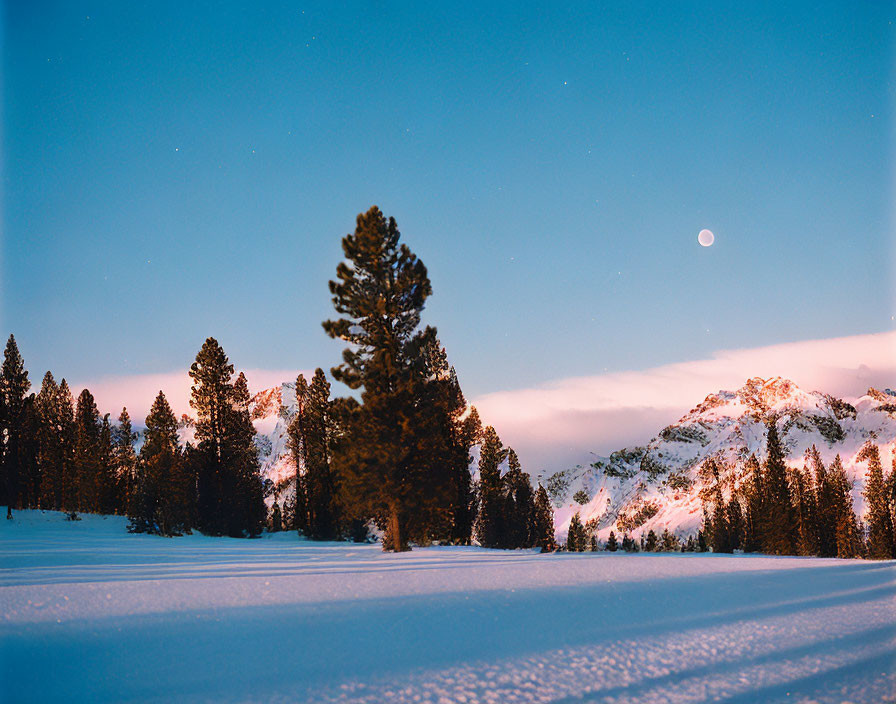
178, 170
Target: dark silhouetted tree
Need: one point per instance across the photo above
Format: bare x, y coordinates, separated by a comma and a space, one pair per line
544, 522
163, 490
125, 459
491, 455
311, 435
87, 454
576, 536
612, 545
878, 517
779, 522
847, 529
380, 293
14, 387
230, 493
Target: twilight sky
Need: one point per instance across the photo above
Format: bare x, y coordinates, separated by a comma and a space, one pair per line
178, 170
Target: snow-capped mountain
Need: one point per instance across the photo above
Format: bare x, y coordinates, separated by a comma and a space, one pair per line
271, 411
657, 485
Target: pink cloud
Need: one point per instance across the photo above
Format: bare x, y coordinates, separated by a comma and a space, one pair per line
138, 391
558, 424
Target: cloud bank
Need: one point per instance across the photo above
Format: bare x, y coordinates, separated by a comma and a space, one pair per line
138, 391
557, 425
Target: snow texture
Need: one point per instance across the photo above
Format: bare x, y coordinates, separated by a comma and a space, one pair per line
92, 613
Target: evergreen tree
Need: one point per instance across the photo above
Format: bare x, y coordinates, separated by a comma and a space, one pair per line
518, 517
716, 518
87, 454
14, 387
162, 496
491, 455
288, 514
543, 521
650, 543
734, 516
49, 444
125, 460
311, 434
29, 468
296, 444
751, 492
576, 537
468, 435
68, 470
881, 540
212, 397
439, 449
380, 292
669, 541
109, 489
230, 493
248, 498
612, 545
803, 493
779, 522
826, 506
847, 530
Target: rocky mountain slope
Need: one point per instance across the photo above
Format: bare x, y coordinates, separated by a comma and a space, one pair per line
657, 485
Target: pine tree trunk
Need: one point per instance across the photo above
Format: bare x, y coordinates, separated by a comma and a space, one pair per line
396, 541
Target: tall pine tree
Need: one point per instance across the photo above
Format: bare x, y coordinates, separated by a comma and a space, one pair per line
311, 434
826, 506
14, 387
751, 493
490, 521
544, 521
576, 536
519, 506
125, 459
380, 293
68, 469
230, 493
881, 540
802, 490
161, 501
847, 536
87, 453
779, 522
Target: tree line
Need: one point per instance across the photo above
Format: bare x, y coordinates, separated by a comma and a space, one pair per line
806, 510
398, 452
775, 509
60, 454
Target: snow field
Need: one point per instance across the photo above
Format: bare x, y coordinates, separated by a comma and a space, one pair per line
92, 613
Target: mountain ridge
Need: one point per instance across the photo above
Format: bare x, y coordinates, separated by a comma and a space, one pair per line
657, 485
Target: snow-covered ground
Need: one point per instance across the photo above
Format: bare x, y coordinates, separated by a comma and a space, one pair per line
91, 613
